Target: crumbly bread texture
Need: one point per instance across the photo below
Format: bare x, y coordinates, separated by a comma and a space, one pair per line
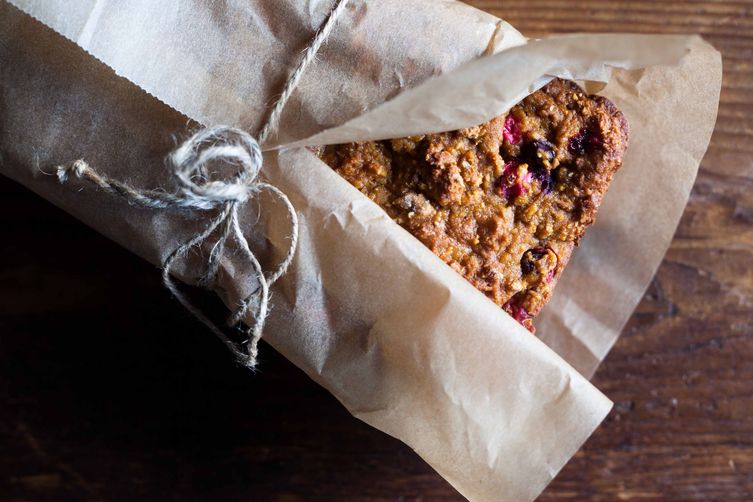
503, 203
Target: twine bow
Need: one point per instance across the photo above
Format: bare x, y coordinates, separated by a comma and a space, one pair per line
198, 192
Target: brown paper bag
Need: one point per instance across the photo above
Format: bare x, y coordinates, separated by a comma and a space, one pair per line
405, 343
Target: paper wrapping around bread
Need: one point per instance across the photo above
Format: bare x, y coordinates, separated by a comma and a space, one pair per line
400, 339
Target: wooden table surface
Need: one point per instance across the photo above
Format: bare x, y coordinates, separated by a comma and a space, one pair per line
109, 391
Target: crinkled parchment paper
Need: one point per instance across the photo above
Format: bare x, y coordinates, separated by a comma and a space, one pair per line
401, 340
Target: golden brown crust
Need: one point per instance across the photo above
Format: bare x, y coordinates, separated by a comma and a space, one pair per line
503, 203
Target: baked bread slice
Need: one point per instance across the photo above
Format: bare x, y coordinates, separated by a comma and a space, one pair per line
503, 203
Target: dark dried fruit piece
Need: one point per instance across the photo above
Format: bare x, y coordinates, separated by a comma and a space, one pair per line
511, 130
544, 178
544, 150
519, 313
539, 154
530, 257
511, 184
585, 141
533, 260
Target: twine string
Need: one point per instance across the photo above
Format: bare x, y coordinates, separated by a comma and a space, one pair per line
223, 199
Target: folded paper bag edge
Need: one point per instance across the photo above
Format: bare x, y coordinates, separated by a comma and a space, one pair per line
502, 66
27, 7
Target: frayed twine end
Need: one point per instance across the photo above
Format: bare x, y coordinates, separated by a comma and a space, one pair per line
77, 168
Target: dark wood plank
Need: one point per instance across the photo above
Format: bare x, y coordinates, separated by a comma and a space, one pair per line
109, 391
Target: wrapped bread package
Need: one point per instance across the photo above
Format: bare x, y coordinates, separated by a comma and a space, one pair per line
402, 340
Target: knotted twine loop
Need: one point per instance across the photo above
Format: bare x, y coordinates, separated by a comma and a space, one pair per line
197, 192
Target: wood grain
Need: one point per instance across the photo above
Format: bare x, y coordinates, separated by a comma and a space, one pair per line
109, 391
